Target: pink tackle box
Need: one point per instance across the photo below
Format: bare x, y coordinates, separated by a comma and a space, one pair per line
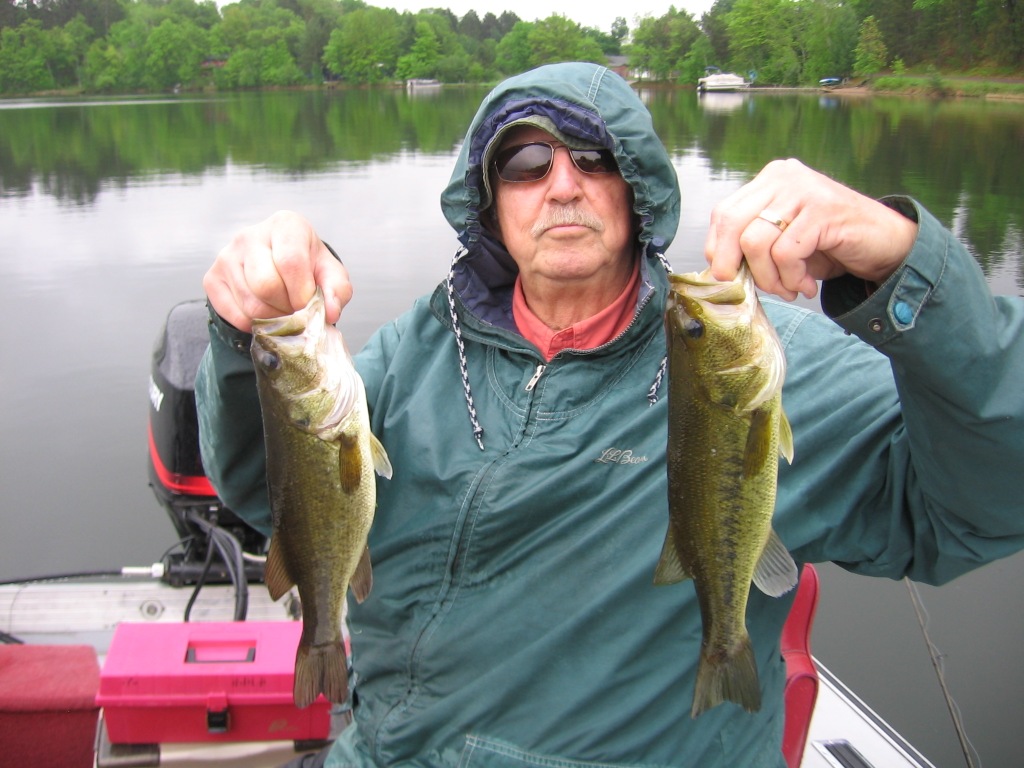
200, 682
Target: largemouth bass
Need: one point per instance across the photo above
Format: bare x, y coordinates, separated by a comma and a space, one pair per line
321, 457
726, 430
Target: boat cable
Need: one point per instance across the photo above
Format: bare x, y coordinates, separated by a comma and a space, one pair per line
230, 551
971, 755
199, 583
62, 577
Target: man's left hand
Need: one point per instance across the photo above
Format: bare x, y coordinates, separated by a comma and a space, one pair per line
796, 226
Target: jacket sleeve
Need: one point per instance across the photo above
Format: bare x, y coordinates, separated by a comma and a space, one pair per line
230, 425
917, 438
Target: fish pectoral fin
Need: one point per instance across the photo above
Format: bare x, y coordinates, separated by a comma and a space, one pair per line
759, 442
670, 568
381, 462
775, 573
275, 573
362, 580
785, 438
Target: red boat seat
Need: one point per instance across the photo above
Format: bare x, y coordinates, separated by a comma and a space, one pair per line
801, 674
48, 709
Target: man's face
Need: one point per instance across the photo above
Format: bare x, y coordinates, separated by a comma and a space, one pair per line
568, 225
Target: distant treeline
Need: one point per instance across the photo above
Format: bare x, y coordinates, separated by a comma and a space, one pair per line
127, 46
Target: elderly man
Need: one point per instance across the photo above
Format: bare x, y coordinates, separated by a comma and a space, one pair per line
513, 620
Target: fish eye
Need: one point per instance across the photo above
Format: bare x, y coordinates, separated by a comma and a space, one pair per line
694, 328
267, 359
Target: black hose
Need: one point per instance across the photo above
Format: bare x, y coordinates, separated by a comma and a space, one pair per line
62, 577
230, 551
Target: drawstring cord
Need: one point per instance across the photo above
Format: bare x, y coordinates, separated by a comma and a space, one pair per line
478, 431
652, 393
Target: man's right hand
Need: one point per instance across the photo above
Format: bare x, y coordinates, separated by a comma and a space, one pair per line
272, 269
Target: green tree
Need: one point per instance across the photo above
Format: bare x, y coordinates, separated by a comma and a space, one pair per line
117, 62
470, 25
63, 50
713, 24
173, 53
660, 45
763, 38
870, 55
827, 36
422, 60
365, 48
1001, 29
513, 53
319, 17
264, 60
700, 56
23, 59
620, 29
558, 38
261, 43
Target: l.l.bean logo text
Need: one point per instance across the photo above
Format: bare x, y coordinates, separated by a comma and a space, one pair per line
619, 456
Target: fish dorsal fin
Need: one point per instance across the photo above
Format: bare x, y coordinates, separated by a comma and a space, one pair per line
670, 569
381, 462
776, 573
785, 438
362, 580
275, 573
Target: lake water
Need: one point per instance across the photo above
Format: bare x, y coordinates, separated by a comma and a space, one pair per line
111, 211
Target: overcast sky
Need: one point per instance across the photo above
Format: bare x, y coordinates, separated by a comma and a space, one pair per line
599, 14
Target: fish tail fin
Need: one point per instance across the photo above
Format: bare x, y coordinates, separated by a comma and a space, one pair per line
728, 677
321, 669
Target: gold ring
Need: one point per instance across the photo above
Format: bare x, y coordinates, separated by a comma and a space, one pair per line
773, 218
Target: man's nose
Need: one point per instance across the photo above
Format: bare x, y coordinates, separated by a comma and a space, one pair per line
564, 176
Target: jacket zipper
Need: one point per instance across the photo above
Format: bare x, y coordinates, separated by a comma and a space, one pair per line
536, 377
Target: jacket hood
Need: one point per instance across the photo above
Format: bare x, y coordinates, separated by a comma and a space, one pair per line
585, 102
584, 105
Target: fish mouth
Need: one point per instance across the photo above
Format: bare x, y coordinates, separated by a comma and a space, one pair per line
296, 323
728, 303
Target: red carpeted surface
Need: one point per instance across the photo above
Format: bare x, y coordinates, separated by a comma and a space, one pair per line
47, 705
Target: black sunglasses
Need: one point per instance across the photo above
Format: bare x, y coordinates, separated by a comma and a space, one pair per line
531, 162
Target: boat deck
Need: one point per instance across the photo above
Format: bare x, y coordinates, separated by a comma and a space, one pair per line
844, 732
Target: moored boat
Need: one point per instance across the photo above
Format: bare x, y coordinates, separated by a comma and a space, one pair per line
721, 81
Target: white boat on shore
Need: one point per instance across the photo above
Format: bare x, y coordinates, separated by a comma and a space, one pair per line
721, 82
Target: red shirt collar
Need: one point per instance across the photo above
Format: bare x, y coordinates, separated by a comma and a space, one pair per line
586, 334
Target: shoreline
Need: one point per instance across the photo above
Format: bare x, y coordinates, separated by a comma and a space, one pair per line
950, 87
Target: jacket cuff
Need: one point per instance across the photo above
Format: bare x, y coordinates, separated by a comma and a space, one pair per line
227, 334
879, 314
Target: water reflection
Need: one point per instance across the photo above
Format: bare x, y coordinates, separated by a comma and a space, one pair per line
722, 102
962, 159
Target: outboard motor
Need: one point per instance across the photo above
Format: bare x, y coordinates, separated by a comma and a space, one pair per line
175, 467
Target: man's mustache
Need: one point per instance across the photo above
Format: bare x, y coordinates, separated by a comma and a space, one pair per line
566, 215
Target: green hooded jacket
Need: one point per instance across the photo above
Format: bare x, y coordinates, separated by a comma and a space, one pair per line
513, 621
